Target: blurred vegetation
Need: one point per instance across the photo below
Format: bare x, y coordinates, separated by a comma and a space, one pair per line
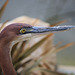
27, 65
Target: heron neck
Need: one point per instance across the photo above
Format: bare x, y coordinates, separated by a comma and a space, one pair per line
5, 59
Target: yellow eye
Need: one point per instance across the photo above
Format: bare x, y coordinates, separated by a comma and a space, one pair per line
22, 30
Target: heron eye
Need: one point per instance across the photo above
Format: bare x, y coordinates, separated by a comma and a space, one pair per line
22, 30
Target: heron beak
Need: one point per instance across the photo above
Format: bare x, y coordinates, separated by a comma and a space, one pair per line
33, 31
51, 29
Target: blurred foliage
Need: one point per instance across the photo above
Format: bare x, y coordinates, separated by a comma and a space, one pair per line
25, 64
57, 18
3, 8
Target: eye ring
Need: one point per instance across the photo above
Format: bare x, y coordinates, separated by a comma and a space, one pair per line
22, 30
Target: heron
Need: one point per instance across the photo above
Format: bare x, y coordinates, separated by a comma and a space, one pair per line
17, 32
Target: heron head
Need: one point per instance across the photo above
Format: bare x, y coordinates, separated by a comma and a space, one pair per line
16, 31
20, 32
